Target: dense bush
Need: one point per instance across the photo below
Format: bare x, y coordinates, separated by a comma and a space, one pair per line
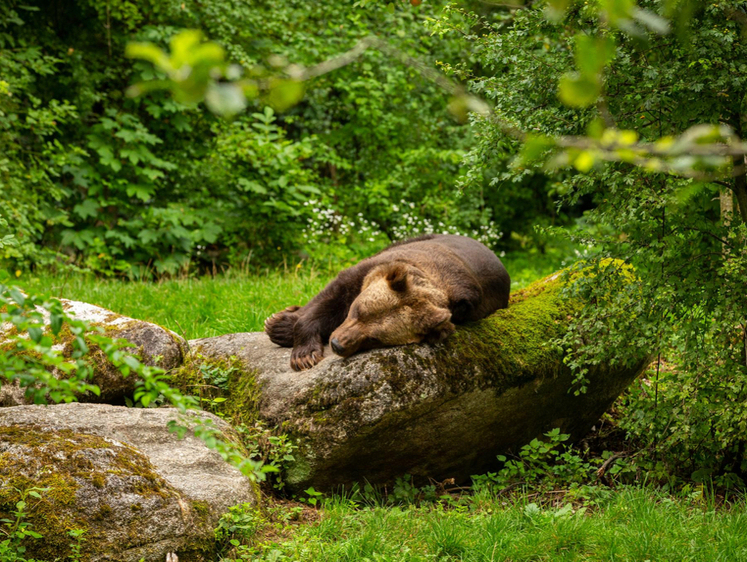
150, 185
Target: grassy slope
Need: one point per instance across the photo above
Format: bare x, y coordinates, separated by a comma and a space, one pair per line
193, 307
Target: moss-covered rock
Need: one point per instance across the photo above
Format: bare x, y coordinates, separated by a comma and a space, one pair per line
435, 411
118, 473
154, 345
224, 385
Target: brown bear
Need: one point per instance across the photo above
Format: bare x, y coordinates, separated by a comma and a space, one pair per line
412, 291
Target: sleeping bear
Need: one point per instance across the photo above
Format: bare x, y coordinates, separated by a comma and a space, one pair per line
412, 291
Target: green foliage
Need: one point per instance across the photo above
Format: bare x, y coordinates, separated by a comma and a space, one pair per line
273, 451
7, 240
582, 87
78, 539
17, 530
155, 184
683, 300
542, 464
313, 496
241, 522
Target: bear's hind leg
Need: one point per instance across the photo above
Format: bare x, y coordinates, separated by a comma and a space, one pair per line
279, 327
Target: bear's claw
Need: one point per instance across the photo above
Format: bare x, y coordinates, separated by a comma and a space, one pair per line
279, 326
306, 357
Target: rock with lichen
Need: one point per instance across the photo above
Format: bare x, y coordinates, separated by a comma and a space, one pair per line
433, 411
154, 345
119, 475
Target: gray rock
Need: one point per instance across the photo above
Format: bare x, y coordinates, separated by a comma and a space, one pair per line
137, 490
156, 346
441, 411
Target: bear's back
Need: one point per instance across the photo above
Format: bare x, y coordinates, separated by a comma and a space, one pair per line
453, 259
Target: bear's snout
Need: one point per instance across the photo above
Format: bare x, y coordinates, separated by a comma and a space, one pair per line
337, 346
347, 338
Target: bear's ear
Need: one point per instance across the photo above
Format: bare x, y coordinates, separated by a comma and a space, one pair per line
397, 277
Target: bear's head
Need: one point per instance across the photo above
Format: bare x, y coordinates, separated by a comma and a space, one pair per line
397, 305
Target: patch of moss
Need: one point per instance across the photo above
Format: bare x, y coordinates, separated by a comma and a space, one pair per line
105, 512
98, 480
511, 346
301, 469
201, 508
240, 393
243, 392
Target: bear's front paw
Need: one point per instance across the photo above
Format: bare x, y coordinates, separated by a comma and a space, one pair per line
440, 332
279, 326
306, 356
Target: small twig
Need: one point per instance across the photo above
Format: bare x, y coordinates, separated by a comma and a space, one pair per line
109, 29
603, 469
509, 488
184, 333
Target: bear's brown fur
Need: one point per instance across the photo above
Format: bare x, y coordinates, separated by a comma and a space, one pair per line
412, 291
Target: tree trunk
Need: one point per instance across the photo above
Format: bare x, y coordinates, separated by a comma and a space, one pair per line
740, 186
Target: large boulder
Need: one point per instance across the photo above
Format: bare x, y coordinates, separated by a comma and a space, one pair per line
117, 473
439, 411
156, 346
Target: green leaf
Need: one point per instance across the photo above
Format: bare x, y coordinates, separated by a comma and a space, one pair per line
150, 52
534, 147
225, 99
142, 192
592, 54
17, 296
652, 21
182, 45
617, 11
578, 91
35, 334
285, 93
556, 9
252, 186
87, 209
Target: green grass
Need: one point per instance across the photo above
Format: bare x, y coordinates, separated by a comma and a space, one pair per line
200, 307
193, 307
631, 524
